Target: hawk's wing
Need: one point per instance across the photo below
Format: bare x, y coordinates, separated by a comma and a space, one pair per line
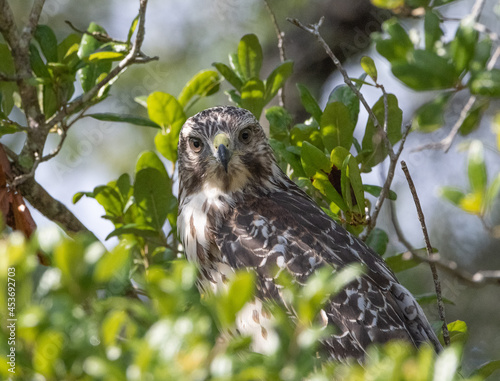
286, 231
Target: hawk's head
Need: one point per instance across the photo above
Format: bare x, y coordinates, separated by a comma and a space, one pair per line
224, 148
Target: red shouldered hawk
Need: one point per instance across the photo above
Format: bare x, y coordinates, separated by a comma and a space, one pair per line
238, 210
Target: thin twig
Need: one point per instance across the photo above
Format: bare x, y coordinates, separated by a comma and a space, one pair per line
314, 30
9, 78
477, 9
281, 47
445, 144
479, 278
11, 123
134, 56
387, 184
99, 36
435, 276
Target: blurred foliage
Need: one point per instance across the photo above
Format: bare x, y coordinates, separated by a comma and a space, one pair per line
134, 312
94, 315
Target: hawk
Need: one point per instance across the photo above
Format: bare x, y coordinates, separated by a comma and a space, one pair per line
238, 210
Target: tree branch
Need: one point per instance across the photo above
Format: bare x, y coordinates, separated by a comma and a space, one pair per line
445, 144
51, 208
435, 276
19, 46
314, 30
134, 56
281, 47
387, 184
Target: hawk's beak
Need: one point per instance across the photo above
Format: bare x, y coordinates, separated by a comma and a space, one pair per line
221, 143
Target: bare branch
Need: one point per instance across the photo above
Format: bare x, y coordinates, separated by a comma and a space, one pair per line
387, 184
435, 276
446, 143
29, 29
102, 37
281, 47
314, 30
51, 208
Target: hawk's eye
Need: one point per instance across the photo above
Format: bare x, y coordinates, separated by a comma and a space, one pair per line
195, 144
245, 135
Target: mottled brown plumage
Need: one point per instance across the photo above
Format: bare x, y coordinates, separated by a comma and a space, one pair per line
238, 210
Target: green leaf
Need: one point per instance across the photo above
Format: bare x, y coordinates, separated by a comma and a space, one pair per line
482, 54
277, 79
204, 83
7, 89
340, 158
165, 110
135, 229
309, 102
132, 119
234, 97
149, 159
486, 82
378, 240
50, 101
6, 128
369, 67
474, 116
47, 41
458, 331
306, 132
240, 291
487, 369
110, 200
78, 196
313, 160
250, 56
431, 298
235, 66
398, 45
152, 197
388, 4
451, 194
67, 50
229, 75
252, 96
492, 192
322, 182
425, 70
462, 47
92, 73
279, 122
430, 116
345, 95
373, 143
106, 56
438, 3
336, 125
132, 29
37, 64
476, 167
400, 262
113, 262
289, 158
432, 28
375, 190
356, 184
